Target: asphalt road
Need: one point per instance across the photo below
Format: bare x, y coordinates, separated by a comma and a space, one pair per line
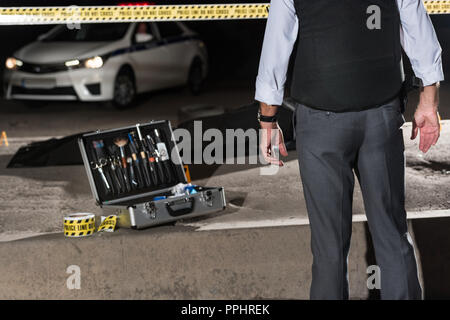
64, 118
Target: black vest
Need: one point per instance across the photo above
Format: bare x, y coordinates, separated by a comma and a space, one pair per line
341, 64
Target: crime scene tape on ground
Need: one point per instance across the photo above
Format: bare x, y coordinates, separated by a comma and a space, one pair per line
98, 14
108, 224
79, 225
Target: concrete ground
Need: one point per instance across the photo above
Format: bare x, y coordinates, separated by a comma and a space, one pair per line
265, 217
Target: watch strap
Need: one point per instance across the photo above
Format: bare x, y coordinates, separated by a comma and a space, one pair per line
262, 118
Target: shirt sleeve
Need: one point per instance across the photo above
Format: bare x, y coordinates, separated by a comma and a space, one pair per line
279, 39
420, 42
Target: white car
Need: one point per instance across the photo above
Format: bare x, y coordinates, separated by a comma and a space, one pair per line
107, 62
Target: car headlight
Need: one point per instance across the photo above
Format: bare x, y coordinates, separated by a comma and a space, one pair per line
12, 63
72, 63
94, 63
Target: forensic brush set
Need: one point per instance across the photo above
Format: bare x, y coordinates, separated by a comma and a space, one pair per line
134, 159
135, 168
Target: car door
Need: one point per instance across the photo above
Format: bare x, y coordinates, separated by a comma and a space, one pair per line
146, 58
176, 58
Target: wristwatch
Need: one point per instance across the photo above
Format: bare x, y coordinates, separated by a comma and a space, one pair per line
262, 118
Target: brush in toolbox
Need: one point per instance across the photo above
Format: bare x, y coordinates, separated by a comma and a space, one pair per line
141, 159
147, 161
121, 143
116, 169
136, 164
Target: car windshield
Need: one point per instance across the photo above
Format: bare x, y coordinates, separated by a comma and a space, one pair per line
90, 32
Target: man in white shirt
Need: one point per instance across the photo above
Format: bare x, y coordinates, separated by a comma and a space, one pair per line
347, 80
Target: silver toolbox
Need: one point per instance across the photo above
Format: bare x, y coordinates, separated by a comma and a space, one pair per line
133, 169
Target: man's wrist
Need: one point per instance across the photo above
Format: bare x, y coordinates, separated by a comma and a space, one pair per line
268, 110
429, 97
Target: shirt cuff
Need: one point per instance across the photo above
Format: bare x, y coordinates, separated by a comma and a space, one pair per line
267, 94
432, 76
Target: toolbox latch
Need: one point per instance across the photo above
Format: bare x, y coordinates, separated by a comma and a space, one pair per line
207, 198
150, 209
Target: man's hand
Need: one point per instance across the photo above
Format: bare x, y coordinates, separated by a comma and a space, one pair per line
271, 137
426, 118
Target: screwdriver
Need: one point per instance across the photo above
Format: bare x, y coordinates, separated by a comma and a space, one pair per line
138, 173
144, 158
156, 156
164, 155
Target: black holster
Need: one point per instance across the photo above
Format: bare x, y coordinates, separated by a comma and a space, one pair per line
411, 83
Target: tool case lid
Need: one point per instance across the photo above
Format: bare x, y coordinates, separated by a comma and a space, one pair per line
108, 136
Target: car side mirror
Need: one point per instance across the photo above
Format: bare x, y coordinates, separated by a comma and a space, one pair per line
143, 37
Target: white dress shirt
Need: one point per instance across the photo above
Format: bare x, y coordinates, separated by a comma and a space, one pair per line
417, 37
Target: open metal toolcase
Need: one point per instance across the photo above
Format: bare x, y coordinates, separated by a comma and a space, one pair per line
149, 201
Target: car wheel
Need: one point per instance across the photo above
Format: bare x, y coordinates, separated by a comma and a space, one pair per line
124, 90
195, 80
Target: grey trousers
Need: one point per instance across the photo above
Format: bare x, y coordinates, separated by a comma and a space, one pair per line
331, 146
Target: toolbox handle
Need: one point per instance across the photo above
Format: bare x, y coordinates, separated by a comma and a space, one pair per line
179, 208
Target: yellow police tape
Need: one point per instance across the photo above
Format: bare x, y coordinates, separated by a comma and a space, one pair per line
79, 225
437, 6
108, 224
83, 14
